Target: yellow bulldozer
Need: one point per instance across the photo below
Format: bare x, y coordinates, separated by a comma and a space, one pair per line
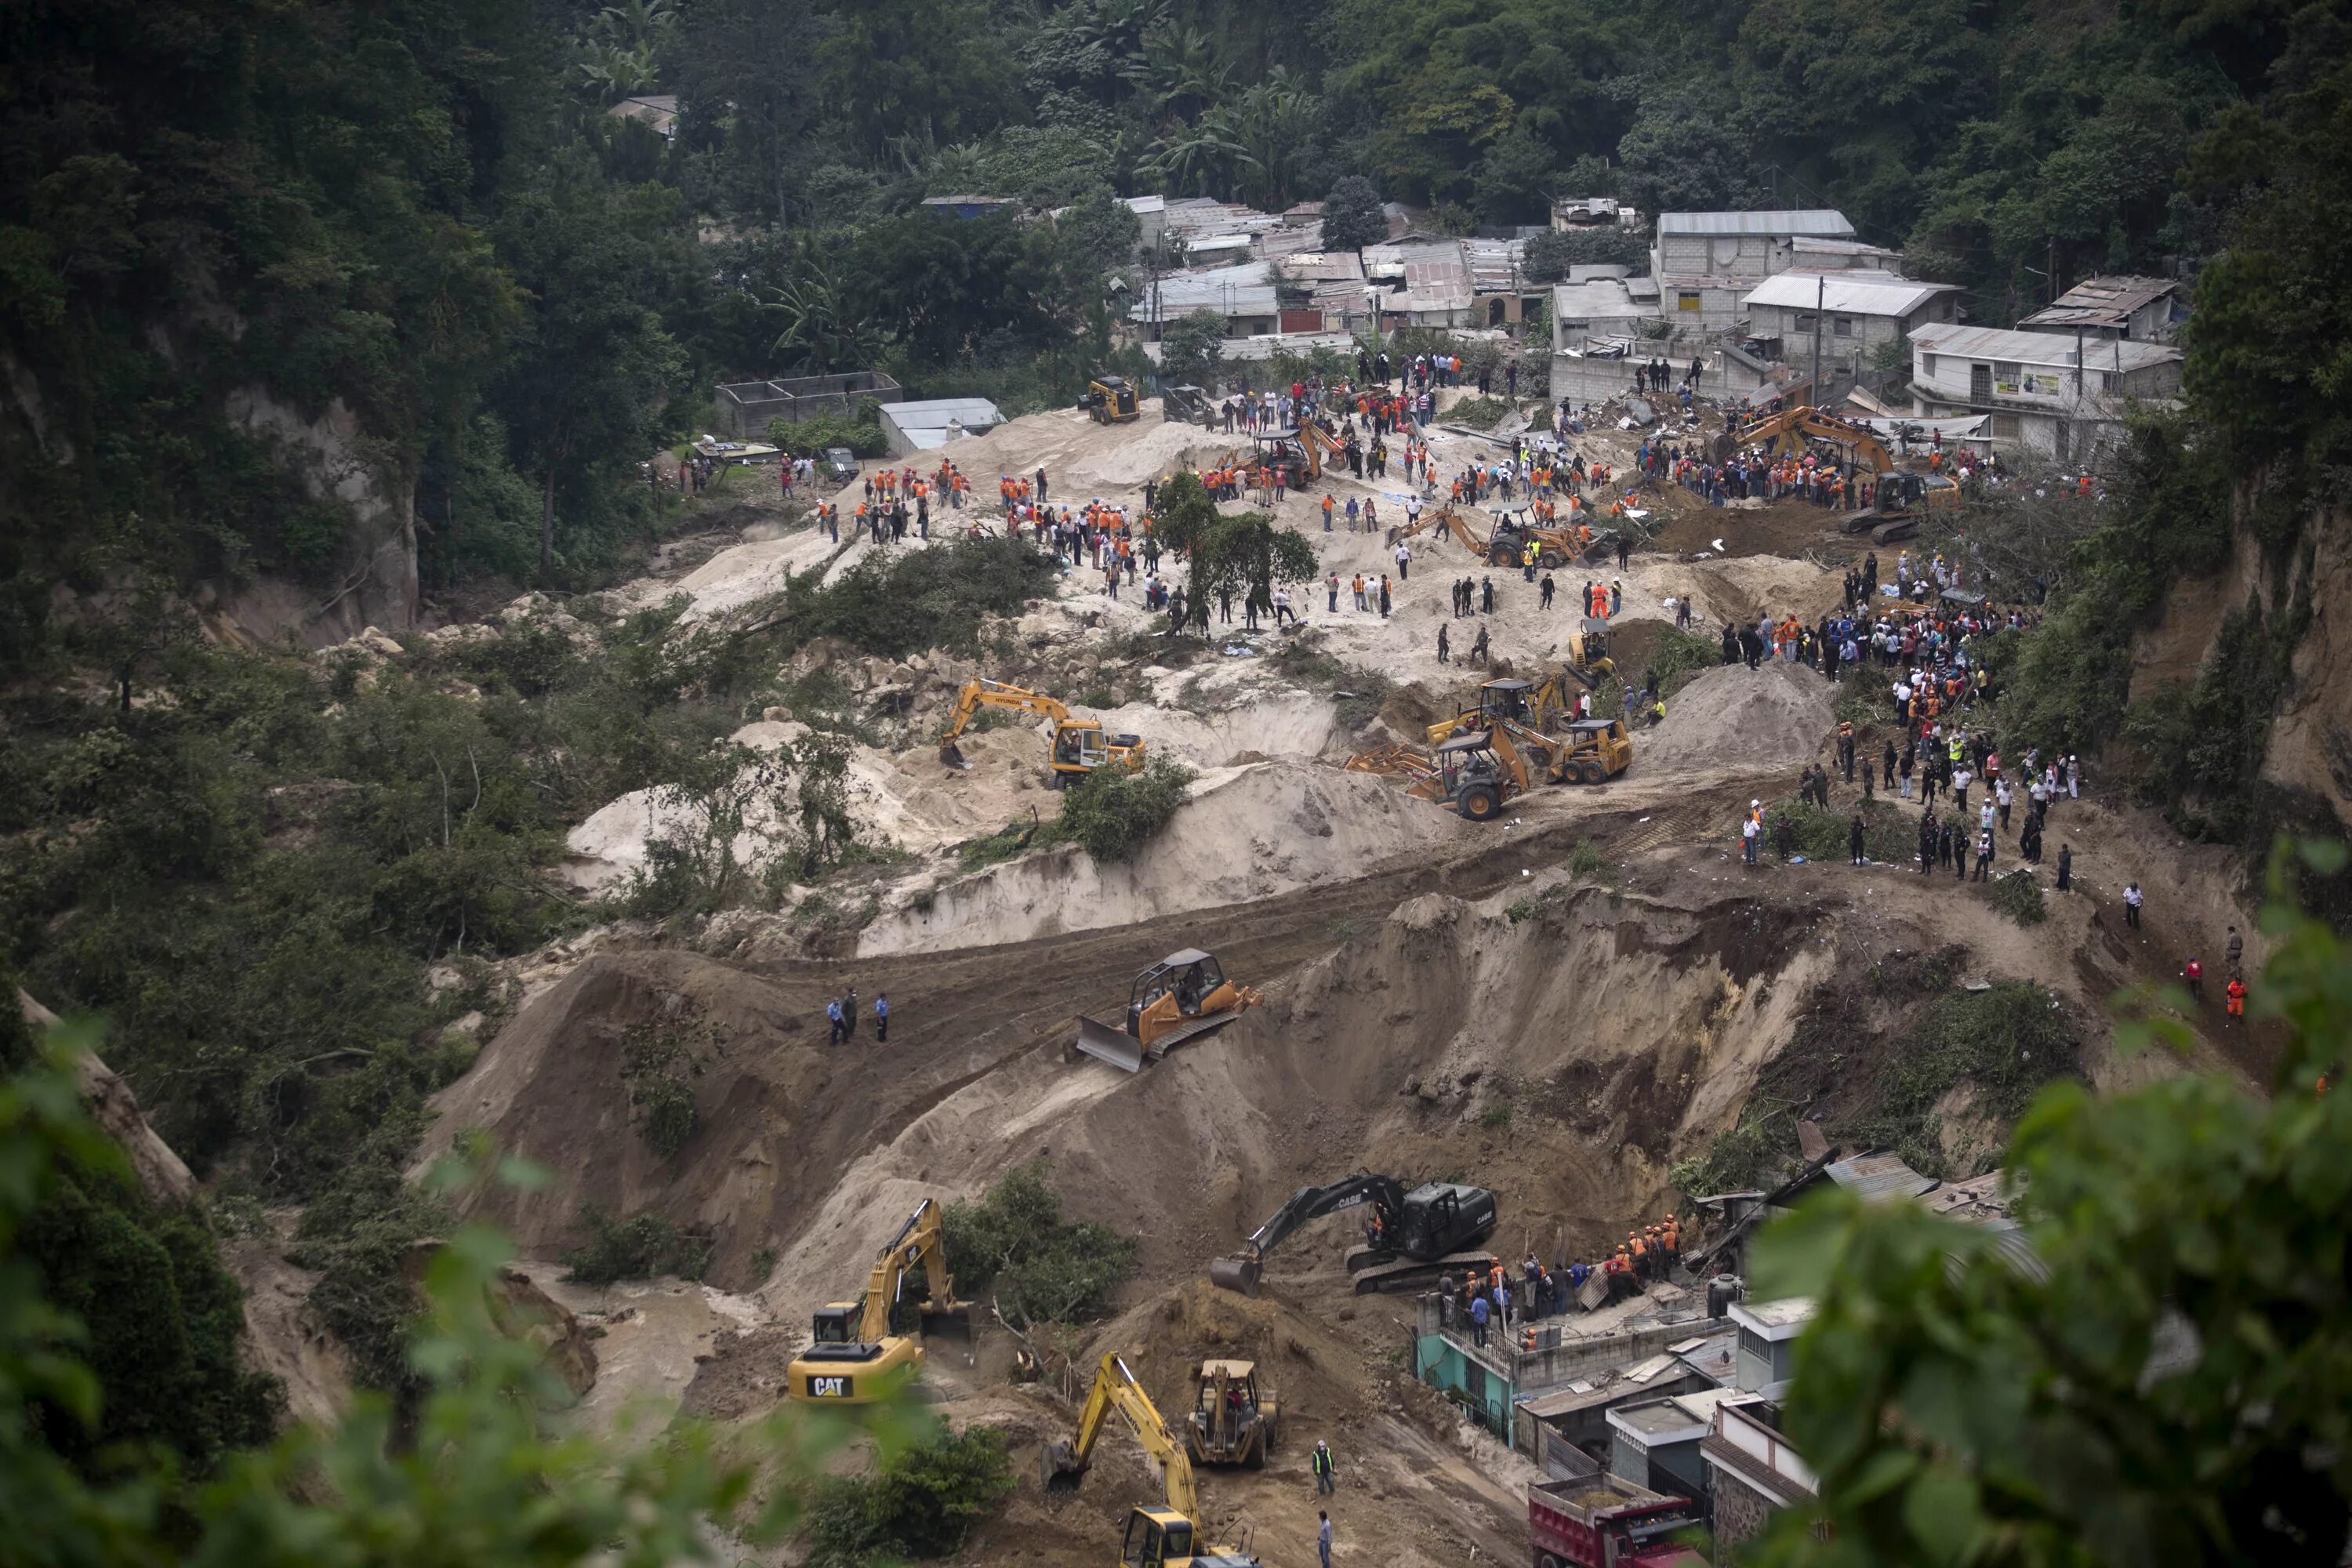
1171, 1535
855, 1356
1183, 995
1080, 745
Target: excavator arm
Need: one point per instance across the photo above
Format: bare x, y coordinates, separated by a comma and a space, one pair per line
1116, 1389
921, 1241
1242, 1271
977, 694
1806, 420
1316, 441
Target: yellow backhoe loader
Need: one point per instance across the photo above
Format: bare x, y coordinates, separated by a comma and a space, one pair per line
1171, 1536
854, 1357
1183, 995
1235, 1418
1520, 701
1477, 771
1080, 745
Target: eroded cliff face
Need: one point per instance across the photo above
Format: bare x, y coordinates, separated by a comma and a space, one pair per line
375, 580
2311, 743
2309, 751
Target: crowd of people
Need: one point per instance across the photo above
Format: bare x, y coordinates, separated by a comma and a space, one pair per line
1490, 1303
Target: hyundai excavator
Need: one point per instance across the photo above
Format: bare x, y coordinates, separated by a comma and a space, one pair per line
1183, 995
1171, 1536
853, 1357
1080, 745
1409, 1237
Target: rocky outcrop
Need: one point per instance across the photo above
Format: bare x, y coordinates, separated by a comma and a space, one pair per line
377, 582
163, 1174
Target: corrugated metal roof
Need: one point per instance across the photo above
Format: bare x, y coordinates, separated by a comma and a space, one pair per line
1228, 290
2102, 303
2040, 348
1857, 294
1823, 222
972, 411
1603, 297
1321, 266
1876, 1177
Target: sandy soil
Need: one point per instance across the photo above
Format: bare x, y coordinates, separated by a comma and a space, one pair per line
1441, 997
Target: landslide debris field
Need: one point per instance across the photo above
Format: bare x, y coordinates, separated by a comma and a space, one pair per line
1560, 1006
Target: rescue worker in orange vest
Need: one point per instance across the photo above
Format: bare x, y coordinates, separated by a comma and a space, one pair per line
2237, 991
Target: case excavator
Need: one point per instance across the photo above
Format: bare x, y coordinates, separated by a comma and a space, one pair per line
1080, 745
1409, 1237
1169, 1536
1183, 995
853, 1357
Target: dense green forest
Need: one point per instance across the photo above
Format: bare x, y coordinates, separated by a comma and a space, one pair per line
417, 217
420, 210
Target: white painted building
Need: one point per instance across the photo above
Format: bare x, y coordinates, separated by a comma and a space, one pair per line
1854, 312
2041, 397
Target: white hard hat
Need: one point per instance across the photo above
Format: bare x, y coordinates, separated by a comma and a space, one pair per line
1755, 802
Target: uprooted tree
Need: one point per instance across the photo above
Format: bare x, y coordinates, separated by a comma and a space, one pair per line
1243, 553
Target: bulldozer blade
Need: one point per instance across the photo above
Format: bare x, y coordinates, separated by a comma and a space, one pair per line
1239, 1274
1105, 1044
1058, 1469
952, 755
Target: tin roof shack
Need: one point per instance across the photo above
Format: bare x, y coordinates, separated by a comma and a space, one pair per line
1657, 1444
1566, 1430
2140, 310
912, 427
1570, 214
2060, 396
1241, 297
1490, 1382
657, 111
1596, 327
1752, 1473
1705, 263
745, 408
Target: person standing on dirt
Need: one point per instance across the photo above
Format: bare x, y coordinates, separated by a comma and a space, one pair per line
881, 1017
1323, 1535
1478, 648
1485, 595
1225, 604
836, 1033
2234, 951
1749, 834
1926, 841
2133, 900
1320, 1463
849, 1016
1984, 855
1404, 561
1444, 644
1385, 596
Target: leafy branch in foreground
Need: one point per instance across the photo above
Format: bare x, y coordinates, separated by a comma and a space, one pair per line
2167, 1382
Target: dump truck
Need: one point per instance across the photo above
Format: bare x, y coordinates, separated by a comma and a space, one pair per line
1601, 1522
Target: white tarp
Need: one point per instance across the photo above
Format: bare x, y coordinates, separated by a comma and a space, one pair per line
1970, 428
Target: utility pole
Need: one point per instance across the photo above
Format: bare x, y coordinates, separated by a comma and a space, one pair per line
1820, 293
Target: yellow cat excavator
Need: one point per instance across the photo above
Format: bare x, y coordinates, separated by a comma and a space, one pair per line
1080, 745
854, 1359
1171, 1536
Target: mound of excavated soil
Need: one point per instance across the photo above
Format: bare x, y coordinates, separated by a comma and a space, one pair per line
1252, 831
1734, 718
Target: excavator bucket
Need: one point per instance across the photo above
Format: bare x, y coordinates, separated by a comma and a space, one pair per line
1105, 1044
952, 755
950, 1331
1059, 1467
1239, 1273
